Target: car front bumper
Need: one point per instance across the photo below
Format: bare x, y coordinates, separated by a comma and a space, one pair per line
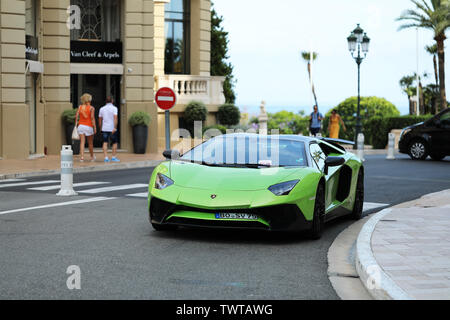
283, 217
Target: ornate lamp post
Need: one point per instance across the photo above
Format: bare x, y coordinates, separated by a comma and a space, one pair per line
358, 42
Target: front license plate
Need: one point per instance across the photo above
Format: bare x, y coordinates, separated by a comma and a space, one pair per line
240, 216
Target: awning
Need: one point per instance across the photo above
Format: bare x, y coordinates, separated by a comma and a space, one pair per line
96, 68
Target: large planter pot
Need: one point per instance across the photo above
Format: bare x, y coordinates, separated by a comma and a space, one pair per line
74, 143
140, 137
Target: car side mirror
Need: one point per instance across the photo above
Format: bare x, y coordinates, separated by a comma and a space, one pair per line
333, 162
171, 154
437, 123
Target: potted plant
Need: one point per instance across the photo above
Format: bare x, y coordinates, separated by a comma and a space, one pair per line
69, 122
139, 120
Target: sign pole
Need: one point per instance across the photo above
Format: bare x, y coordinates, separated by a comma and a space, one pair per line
166, 99
167, 129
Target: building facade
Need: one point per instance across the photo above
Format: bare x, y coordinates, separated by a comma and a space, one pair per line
53, 51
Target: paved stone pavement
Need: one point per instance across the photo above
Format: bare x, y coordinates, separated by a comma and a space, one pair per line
412, 245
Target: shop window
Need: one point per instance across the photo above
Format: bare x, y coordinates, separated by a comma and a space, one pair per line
100, 20
177, 29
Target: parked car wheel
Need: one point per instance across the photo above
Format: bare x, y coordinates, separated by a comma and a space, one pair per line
418, 150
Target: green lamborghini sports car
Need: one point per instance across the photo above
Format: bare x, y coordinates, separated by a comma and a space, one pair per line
274, 183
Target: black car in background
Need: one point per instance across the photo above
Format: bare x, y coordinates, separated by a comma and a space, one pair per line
429, 138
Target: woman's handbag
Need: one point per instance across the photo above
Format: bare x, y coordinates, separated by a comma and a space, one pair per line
75, 135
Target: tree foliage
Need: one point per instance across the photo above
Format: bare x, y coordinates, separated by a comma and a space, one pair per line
370, 107
288, 123
432, 15
229, 115
219, 56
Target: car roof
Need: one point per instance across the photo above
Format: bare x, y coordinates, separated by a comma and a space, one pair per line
280, 136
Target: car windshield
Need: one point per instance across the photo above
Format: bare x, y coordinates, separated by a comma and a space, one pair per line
249, 151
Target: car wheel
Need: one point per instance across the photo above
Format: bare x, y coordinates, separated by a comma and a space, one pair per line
319, 214
418, 150
437, 157
163, 227
359, 197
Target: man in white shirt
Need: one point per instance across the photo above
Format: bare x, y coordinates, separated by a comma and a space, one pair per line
108, 122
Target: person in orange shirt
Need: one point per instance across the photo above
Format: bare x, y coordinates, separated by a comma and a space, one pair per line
334, 128
86, 126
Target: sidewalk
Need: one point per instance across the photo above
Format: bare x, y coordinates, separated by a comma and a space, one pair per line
48, 165
404, 252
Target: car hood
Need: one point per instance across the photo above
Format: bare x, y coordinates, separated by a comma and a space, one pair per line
414, 126
198, 176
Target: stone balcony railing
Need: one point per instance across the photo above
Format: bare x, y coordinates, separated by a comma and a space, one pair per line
208, 90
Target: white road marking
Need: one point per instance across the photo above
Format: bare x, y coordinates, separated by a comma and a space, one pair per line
115, 188
372, 205
138, 195
60, 204
11, 180
21, 184
82, 184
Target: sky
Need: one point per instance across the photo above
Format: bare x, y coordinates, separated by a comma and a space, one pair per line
266, 38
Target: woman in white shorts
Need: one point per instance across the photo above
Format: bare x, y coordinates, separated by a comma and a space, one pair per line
86, 126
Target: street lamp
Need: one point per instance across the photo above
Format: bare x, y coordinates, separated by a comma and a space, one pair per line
358, 42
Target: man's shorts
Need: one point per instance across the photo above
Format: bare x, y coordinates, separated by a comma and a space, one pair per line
110, 135
314, 131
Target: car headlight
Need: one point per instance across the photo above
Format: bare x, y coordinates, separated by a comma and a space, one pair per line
162, 181
283, 189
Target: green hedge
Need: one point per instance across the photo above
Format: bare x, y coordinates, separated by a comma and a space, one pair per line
376, 130
219, 127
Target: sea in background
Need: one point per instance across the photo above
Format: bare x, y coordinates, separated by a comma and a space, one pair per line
255, 110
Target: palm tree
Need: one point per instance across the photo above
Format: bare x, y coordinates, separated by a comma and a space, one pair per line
307, 57
406, 84
435, 17
433, 51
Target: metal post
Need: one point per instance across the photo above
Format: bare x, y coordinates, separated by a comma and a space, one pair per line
66, 172
360, 146
167, 129
391, 147
358, 111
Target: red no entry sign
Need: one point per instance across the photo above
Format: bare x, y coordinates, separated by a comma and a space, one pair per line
165, 98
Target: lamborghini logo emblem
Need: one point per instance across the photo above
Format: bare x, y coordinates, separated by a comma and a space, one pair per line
213, 196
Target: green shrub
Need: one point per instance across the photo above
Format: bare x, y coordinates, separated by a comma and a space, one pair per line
139, 118
370, 107
288, 123
219, 127
376, 130
69, 116
195, 111
229, 115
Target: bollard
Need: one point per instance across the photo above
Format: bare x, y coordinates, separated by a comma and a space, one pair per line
66, 172
360, 142
391, 147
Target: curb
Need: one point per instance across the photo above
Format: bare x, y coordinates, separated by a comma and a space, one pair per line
108, 167
374, 279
